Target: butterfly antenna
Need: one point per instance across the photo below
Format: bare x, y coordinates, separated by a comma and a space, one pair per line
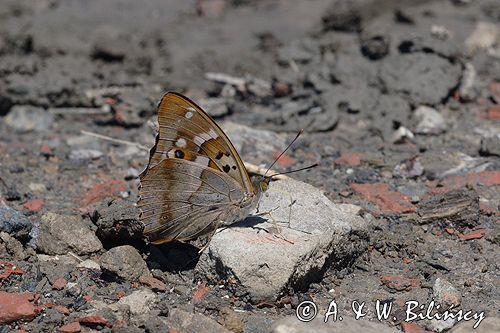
301, 169
284, 151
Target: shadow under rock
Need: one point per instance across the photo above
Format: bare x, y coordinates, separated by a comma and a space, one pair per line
177, 257
173, 257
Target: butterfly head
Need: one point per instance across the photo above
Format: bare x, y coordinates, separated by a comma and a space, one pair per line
261, 183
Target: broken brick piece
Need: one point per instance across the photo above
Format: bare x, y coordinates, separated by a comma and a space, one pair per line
388, 201
399, 283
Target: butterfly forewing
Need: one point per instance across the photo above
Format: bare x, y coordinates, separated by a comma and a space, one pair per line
187, 132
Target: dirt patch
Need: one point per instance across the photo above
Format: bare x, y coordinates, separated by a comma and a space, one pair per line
398, 101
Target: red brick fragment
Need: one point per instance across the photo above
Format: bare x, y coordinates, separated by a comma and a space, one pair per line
119, 323
46, 151
211, 8
121, 294
412, 328
200, 292
388, 201
281, 89
153, 283
8, 270
73, 327
485, 178
399, 283
495, 91
94, 321
349, 158
493, 113
110, 101
62, 309
59, 284
14, 307
102, 191
450, 231
285, 160
34, 205
473, 235
488, 210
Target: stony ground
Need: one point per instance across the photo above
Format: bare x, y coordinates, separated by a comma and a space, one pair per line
400, 103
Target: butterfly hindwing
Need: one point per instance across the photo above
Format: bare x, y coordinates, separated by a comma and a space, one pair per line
181, 199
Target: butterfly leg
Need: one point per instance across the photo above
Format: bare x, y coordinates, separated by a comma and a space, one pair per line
275, 224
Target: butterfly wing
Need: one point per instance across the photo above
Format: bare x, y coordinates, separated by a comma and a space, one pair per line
182, 200
187, 132
195, 177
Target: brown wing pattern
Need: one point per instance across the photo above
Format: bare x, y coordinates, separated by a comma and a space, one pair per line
187, 132
194, 179
181, 200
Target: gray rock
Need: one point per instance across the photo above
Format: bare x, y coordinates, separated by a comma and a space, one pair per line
342, 16
245, 139
14, 222
375, 42
315, 116
216, 107
410, 168
415, 42
483, 37
313, 233
488, 325
467, 89
89, 264
110, 46
445, 294
132, 173
361, 100
117, 213
258, 323
490, 146
26, 118
354, 74
426, 78
139, 302
85, 154
435, 325
83, 142
391, 109
187, 322
301, 51
65, 259
59, 234
430, 121
11, 247
125, 262
347, 325
402, 134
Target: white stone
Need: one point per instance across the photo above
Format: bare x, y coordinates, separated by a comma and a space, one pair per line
311, 230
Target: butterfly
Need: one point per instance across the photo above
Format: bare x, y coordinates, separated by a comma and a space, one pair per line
195, 181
